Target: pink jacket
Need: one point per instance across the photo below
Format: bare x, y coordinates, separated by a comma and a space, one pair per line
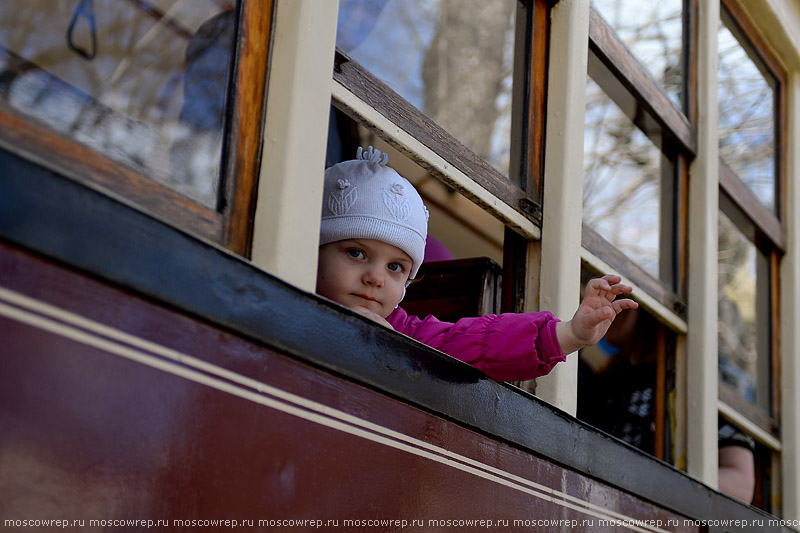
506, 347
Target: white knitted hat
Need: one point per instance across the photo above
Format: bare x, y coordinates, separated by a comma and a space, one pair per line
365, 199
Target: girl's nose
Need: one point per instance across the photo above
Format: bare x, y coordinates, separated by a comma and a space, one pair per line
373, 276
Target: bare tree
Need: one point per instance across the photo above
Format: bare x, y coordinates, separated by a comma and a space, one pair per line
465, 67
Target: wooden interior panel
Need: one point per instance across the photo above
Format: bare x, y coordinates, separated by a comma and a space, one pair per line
455, 289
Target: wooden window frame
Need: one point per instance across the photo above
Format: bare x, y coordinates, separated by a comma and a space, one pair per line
672, 130
764, 229
745, 29
231, 224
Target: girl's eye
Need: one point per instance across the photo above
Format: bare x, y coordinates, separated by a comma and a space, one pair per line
355, 253
395, 267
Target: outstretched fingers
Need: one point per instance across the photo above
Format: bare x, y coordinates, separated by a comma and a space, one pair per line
597, 287
599, 315
608, 287
621, 305
607, 313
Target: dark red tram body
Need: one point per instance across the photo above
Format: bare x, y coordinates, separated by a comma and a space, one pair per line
148, 375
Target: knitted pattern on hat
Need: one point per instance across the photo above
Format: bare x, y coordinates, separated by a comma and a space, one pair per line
365, 199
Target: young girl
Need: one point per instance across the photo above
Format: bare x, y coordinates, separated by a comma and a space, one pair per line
372, 243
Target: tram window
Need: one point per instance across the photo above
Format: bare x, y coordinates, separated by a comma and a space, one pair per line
461, 274
751, 231
626, 382
747, 122
145, 92
744, 317
622, 182
638, 142
751, 98
451, 60
637, 145
132, 95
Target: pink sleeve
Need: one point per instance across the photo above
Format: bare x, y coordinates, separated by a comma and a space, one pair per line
506, 347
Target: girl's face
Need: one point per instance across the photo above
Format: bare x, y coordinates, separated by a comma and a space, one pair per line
363, 273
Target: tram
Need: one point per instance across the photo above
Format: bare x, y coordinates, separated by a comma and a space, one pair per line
166, 364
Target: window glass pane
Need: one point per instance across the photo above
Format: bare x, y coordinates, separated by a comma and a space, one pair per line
452, 59
743, 316
142, 83
621, 181
746, 117
653, 31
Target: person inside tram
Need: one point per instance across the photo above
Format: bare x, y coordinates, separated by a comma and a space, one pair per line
616, 378
736, 475
372, 241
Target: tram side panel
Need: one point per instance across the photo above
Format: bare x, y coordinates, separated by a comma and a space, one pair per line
113, 407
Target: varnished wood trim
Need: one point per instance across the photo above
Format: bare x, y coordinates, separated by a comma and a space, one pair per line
660, 393
426, 158
531, 62
622, 64
781, 149
749, 207
515, 269
596, 244
775, 332
245, 140
750, 32
24, 136
369, 89
680, 224
537, 98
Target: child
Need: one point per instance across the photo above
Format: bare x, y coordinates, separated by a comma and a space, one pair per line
372, 242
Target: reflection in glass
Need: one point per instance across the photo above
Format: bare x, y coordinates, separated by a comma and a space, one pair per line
653, 31
142, 83
452, 59
743, 315
746, 118
621, 181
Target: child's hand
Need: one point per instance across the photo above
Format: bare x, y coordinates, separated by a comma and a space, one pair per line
363, 311
595, 314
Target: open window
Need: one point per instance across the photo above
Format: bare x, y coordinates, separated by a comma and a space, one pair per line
461, 275
457, 88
